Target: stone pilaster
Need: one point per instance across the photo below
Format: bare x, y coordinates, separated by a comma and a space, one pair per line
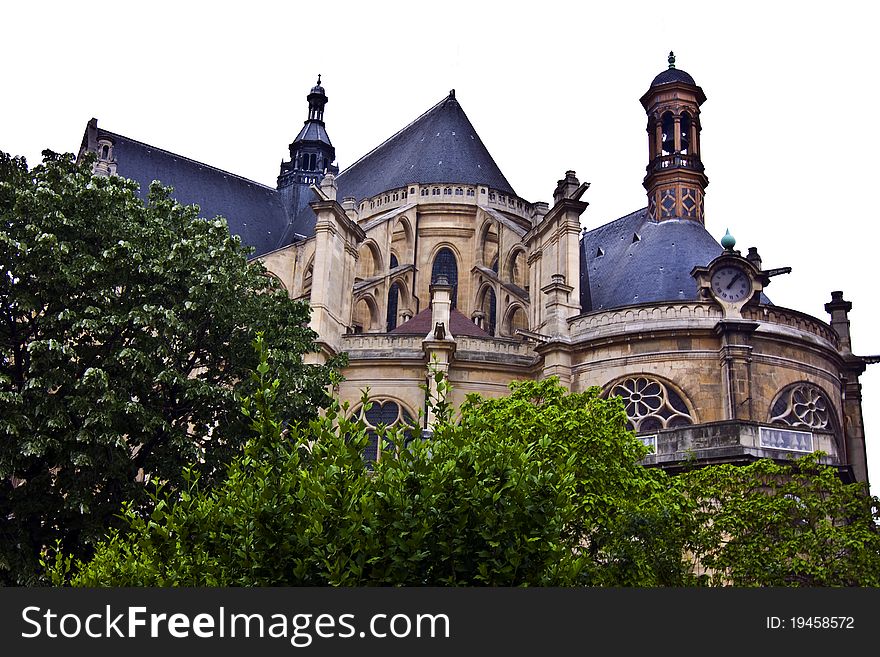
439, 347
336, 252
736, 367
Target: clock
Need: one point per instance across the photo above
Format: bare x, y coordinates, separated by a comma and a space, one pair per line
731, 283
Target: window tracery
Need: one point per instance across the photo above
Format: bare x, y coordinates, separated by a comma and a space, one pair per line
382, 414
803, 405
651, 404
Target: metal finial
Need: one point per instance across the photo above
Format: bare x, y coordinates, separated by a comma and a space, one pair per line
671, 59
319, 75
728, 241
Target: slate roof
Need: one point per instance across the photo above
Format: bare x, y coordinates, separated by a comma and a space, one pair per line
440, 146
633, 260
459, 325
253, 211
673, 75
313, 131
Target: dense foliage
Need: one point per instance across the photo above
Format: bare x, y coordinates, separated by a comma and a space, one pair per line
768, 524
539, 488
125, 333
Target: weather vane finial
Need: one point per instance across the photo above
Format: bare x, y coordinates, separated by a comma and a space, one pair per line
671, 59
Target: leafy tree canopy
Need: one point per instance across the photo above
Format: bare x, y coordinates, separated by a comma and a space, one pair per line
769, 524
540, 487
536, 488
125, 331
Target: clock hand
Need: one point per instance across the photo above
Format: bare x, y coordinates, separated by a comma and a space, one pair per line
733, 280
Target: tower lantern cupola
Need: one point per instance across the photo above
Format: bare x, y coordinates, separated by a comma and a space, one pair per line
311, 153
675, 179
317, 99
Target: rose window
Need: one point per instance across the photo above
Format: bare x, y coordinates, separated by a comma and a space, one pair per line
651, 404
803, 405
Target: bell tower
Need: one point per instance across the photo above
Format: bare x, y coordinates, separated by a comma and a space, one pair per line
311, 154
675, 180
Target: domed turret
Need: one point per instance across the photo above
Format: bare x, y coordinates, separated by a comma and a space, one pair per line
675, 179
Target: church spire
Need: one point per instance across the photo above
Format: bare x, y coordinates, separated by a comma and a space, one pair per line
675, 179
311, 153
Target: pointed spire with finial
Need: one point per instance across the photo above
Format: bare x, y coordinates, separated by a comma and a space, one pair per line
671, 59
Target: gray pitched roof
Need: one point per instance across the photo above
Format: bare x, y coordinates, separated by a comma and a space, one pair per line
441, 146
253, 211
633, 260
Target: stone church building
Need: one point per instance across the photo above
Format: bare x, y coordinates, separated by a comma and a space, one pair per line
420, 257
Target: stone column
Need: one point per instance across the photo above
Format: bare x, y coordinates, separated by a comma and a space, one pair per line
854, 367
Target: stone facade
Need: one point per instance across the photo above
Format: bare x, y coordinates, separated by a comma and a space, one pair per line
420, 258
706, 379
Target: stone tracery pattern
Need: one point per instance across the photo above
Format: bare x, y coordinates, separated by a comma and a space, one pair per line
803, 405
385, 413
651, 404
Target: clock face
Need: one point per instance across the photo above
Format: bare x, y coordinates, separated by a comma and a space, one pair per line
731, 283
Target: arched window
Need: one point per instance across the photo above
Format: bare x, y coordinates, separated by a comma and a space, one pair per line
393, 262
668, 137
804, 405
445, 265
385, 413
391, 314
490, 307
685, 133
651, 404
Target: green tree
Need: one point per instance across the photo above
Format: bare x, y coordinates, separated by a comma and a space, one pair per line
125, 334
771, 524
536, 488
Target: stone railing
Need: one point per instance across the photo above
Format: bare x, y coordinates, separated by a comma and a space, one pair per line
503, 347
792, 319
443, 193
733, 441
659, 316
365, 345
361, 346
693, 314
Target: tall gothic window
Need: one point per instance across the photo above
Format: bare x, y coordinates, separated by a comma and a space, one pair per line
491, 311
391, 315
651, 404
445, 265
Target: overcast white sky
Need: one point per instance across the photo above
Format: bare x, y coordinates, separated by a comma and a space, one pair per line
789, 135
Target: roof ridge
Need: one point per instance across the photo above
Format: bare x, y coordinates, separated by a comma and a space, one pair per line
188, 159
629, 215
402, 130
